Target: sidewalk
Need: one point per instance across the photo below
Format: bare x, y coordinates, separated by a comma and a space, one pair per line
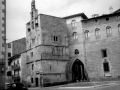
91, 84
88, 84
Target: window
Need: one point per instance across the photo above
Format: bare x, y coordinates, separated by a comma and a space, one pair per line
9, 54
75, 35
33, 40
9, 73
32, 66
32, 25
97, 32
31, 54
29, 30
86, 33
31, 80
107, 19
55, 38
108, 30
73, 24
106, 66
119, 27
9, 45
104, 53
76, 51
96, 21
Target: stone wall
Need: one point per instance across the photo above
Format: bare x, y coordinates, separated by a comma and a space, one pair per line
93, 47
19, 46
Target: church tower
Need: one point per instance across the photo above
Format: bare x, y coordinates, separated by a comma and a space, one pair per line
34, 11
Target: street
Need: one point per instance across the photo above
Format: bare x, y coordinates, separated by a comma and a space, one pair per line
112, 86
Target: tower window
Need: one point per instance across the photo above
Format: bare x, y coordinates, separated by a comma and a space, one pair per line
31, 54
32, 66
104, 53
29, 30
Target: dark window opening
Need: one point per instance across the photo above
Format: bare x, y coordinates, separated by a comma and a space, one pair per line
29, 30
104, 53
31, 54
76, 51
55, 38
96, 20
107, 19
9, 54
9, 73
31, 80
32, 66
36, 24
50, 67
106, 66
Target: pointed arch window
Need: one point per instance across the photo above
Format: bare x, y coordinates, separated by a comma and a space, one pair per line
86, 33
119, 28
73, 23
108, 31
75, 35
76, 51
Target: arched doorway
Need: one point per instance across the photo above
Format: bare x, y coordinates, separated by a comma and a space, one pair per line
78, 73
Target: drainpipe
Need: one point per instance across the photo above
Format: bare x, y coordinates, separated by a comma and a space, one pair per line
84, 45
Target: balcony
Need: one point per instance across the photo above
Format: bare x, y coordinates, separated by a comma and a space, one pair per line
16, 67
15, 77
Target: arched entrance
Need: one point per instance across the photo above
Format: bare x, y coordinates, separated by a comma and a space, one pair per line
78, 73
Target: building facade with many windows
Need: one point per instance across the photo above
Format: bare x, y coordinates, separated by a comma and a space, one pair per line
2, 42
72, 48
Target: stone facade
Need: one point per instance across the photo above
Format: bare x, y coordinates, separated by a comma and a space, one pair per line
96, 43
72, 48
2, 42
47, 49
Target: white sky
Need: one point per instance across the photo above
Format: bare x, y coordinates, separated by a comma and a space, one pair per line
18, 12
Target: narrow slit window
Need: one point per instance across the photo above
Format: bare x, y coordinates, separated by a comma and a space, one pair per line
104, 53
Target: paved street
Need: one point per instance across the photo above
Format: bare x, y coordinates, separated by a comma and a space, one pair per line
93, 86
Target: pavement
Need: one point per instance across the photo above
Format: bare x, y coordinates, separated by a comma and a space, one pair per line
91, 84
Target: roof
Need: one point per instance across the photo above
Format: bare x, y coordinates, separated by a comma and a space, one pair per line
102, 16
117, 11
76, 15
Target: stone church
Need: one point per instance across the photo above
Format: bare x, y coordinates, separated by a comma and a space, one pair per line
72, 48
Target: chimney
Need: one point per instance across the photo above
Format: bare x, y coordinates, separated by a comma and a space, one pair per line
95, 15
111, 9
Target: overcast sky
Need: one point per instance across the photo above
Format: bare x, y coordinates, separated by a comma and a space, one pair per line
18, 12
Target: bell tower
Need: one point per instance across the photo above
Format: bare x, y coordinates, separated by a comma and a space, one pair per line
34, 11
